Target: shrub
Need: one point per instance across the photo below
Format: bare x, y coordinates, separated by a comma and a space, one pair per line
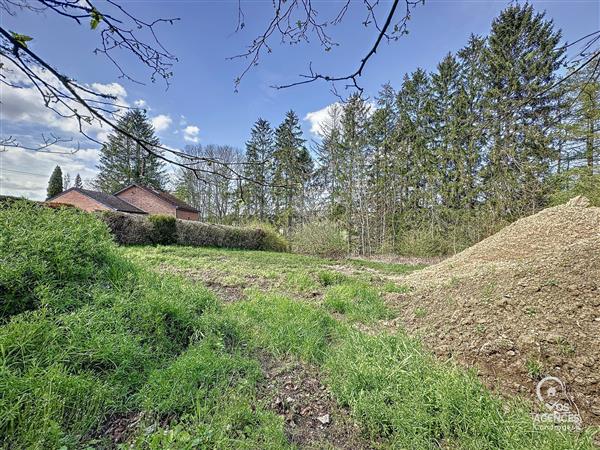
52, 256
164, 229
130, 230
272, 240
322, 238
574, 182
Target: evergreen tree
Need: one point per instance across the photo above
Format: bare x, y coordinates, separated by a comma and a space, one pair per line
292, 169
55, 183
353, 172
123, 161
521, 60
259, 151
78, 182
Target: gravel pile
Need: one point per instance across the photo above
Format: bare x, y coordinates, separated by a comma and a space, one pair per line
520, 305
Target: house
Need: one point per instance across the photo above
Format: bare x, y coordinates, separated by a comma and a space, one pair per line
133, 199
93, 201
157, 202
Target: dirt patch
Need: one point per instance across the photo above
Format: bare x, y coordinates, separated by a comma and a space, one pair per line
228, 292
520, 305
312, 418
118, 428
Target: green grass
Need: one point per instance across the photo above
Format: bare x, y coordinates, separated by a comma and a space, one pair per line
120, 340
402, 396
358, 301
391, 268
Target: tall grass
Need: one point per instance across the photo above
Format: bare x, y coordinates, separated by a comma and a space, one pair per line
114, 340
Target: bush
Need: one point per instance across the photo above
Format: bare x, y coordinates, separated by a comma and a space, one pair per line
128, 229
164, 229
52, 257
322, 238
272, 240
576, 182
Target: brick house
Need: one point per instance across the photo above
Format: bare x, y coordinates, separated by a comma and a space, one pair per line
157, 202
133, 199
93, 201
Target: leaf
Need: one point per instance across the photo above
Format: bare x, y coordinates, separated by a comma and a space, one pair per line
21, 38
96, 19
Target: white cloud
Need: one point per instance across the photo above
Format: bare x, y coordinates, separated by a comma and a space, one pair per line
190, 134
161, 122
26, 173
319, 118
141, 103
114, 89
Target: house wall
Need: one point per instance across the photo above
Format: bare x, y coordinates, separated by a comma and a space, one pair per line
187, 215
78, 200
147, 201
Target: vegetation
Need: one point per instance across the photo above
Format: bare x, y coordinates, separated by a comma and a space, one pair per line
183, 369
320, 238
166, 230
438, 162
55, 183
124, 161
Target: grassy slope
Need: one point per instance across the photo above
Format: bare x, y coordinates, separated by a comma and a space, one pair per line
100, 341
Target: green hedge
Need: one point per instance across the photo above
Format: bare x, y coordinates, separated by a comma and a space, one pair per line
130, 230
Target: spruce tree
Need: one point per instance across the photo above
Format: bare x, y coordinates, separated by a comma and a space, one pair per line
124, 161
259, 151
55, 183
521, 60
292, 166
78, 182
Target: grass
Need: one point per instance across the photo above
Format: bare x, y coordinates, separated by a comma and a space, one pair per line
358, 301
122, 341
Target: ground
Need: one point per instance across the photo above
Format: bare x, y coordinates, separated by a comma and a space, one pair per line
298, 385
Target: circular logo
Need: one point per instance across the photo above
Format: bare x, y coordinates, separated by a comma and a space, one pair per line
551, 392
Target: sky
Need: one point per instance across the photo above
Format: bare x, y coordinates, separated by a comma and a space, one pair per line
201, 105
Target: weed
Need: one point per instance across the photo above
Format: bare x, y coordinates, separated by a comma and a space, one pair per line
535, 369
396, 288
420, 312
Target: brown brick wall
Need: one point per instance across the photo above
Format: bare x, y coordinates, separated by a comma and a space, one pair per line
187, 215
79, 200
146, 201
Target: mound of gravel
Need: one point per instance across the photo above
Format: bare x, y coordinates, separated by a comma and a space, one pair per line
520, 305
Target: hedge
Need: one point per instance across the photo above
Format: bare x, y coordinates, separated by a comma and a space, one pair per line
147, 230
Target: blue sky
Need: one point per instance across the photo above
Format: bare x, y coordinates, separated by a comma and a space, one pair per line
201, 105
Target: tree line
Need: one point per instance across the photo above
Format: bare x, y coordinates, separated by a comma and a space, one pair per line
440, 160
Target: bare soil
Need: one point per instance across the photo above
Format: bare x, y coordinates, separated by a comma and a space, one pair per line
313, 419
518, 306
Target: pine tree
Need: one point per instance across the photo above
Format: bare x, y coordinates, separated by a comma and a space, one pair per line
259, 151
354, 172
292, 167
78, 182
124, 161
520, 61
55, 183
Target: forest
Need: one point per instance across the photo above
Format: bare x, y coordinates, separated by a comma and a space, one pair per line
430, 165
